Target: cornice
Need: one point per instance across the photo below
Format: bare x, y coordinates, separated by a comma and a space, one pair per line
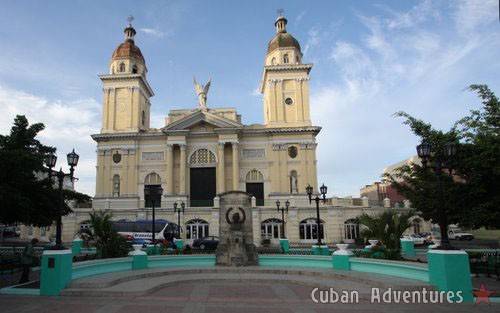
104, 77
128, 135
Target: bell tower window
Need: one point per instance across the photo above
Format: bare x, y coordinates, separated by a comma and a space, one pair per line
122, 67
285, 58
134, 69
143, 118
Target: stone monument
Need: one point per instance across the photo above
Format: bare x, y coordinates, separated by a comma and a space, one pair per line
236, 247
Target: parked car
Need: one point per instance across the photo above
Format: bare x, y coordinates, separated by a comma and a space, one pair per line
458, 234
207, 243
417, 240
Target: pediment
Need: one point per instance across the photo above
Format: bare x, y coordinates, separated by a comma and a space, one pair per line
201, 118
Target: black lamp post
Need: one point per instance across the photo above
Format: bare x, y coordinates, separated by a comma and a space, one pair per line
323, 190
283, 209
178, 211
439, 165
154, 193
50, 161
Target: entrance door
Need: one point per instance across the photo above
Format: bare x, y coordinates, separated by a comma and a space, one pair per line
256, 190
202, 186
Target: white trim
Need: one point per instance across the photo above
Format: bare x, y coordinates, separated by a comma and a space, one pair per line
447, 251
343, 252
55, 252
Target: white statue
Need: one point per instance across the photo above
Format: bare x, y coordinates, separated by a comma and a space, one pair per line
201, 92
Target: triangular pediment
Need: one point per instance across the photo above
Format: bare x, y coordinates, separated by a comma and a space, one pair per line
202, 117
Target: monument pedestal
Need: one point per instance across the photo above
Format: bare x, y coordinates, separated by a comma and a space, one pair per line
236, 247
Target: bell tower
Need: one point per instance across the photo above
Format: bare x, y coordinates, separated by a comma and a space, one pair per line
285, 81
126, 106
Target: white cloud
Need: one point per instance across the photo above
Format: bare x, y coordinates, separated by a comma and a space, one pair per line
402, 61
153, 32
68, 125
472, 14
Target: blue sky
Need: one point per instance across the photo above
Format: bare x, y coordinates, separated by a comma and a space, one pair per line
371, 59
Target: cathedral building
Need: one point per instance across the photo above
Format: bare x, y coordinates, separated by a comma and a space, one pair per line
206, 150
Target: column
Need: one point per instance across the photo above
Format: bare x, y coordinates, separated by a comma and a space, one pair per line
236, 166
170, 169
182, 170
220, 168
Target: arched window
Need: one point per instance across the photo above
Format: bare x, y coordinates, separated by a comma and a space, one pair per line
297, 59
122, 67
294, 185
254, 176
116, 185
143, 118
134, 69
271, 228
202, 157
351, 230
273, 61
152, 179
308, 229
196, 229
285, 58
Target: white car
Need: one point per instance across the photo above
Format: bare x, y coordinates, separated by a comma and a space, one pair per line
458, 234
417, 240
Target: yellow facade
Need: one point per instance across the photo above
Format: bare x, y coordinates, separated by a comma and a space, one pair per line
201, 152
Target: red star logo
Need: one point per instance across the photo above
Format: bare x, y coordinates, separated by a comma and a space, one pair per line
482, 295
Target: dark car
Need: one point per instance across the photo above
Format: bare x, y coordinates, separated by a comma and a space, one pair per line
207, 243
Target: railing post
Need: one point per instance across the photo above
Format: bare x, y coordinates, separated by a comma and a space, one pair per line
56, 271
407, 247
449, 270
139, 258
340, 260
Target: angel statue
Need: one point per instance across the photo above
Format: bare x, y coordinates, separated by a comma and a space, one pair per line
201, 92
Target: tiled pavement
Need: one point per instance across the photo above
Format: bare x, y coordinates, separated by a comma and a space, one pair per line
217, 296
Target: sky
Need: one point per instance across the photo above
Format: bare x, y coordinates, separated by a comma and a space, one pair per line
371, 59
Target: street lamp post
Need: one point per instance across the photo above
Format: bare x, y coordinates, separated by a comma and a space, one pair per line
178, 211
283, 209
50, 161
153, 192
424, 151
323, 190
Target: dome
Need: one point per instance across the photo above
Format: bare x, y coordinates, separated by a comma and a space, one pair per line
128, 49
282, 40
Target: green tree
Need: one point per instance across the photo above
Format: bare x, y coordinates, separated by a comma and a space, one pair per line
108, 242
479, 164
27, 195
467, 195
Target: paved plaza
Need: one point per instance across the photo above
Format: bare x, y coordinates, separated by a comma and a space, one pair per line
217, 296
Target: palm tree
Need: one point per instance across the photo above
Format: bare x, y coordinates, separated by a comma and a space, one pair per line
388, 227
108, 242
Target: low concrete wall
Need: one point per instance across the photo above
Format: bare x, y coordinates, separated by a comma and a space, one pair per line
392, 268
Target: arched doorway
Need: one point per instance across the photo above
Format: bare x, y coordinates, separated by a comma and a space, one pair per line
255, 186
152, 180
202, 180
308, 230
